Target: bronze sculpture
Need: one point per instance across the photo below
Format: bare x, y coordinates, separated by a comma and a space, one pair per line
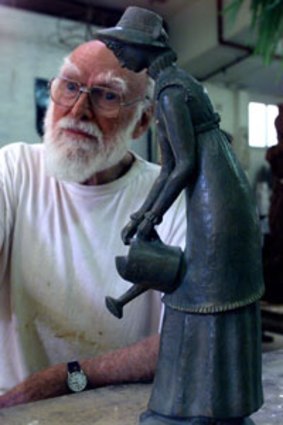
209, 367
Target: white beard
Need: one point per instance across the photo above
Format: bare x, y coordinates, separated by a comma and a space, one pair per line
76, 159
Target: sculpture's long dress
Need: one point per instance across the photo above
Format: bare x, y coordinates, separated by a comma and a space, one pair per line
210, 354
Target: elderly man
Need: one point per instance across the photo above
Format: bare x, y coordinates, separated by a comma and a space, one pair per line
63, 205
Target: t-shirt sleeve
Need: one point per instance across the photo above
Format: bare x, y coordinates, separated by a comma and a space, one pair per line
7, 208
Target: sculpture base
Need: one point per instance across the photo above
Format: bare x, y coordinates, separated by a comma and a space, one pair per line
152, 418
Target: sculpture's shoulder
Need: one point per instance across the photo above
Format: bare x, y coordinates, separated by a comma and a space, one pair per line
173, 76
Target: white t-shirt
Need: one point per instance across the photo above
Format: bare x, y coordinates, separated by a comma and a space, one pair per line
58, 246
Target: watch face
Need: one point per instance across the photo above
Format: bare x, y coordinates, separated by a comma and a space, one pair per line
77, 381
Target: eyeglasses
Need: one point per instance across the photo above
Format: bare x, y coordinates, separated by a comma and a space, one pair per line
105, 101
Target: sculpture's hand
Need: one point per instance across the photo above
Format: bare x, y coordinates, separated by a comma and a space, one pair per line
129, 231
146, 230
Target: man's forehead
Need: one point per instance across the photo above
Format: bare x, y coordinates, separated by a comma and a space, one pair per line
105, 76
94, 63
93, 58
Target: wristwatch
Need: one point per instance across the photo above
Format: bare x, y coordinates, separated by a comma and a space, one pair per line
76, 379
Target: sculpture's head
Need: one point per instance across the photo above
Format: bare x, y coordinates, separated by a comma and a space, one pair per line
137, 39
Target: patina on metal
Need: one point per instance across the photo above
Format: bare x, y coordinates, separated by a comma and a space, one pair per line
209, 366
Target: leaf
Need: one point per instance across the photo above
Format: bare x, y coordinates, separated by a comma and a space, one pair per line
266, 21
232, 9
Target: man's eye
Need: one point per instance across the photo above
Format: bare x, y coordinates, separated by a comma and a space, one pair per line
111, 96
71, 87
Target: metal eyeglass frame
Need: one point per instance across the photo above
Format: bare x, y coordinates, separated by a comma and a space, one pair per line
84, 89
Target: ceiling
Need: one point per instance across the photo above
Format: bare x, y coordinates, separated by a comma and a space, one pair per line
164, 7
230, 62
98, 12
233, 64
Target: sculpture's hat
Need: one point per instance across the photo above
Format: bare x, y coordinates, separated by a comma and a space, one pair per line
137, 26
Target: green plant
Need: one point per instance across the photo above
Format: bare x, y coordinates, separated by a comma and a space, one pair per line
266, 21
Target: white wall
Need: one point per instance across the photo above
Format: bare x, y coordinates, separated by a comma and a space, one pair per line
29, 48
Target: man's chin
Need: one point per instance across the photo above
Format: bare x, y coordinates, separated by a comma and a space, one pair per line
80, 161
68, 173
78, 169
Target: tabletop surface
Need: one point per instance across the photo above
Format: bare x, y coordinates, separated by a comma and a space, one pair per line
122, 404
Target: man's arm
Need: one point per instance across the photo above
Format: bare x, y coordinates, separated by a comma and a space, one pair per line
135, 363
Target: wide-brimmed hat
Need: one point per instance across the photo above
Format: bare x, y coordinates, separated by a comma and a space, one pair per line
137, 26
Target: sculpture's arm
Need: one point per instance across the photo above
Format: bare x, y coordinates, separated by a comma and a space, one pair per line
179, 134
138, 216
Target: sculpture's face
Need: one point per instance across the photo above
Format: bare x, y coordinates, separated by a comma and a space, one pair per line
133, 58
130, 56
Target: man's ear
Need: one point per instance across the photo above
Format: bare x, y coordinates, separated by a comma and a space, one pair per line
143, 123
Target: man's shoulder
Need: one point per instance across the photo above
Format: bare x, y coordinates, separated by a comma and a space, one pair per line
20, 149
21, 158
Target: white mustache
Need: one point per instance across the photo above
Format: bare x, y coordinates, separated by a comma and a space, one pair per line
86, 127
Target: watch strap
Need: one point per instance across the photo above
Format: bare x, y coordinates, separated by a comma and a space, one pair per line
73, 367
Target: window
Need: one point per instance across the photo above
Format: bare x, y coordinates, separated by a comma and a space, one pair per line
262, 131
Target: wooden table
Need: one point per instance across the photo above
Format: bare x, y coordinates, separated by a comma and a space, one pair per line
122, 404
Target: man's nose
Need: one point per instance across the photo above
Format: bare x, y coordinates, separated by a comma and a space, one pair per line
82, 108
